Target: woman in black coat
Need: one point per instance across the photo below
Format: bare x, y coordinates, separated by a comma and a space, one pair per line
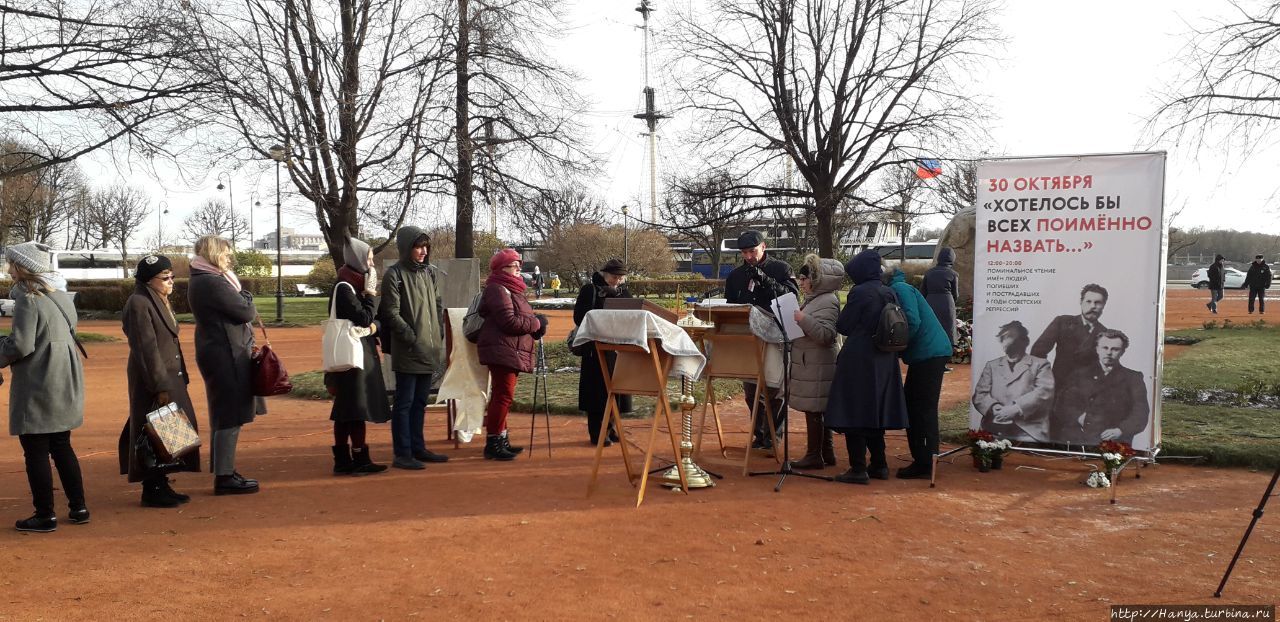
157, 373
359, 395
609, 282
223, 311
866, 395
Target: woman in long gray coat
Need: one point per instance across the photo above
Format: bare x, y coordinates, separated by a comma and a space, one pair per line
941, 289
866, 396
224, 346
46, 394
813, 356
157, 374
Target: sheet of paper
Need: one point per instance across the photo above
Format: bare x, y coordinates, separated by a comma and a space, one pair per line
784, 308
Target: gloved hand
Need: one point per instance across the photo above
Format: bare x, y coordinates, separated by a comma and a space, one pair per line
371, 282
542, 326
162, 398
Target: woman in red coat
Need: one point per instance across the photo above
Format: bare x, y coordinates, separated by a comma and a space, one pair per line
505, 345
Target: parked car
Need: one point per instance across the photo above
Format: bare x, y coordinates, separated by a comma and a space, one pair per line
1231, 278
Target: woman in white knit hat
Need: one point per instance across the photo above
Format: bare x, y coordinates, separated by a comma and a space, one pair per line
46, 396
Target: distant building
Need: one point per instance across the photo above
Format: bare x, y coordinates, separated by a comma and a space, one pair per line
291, 240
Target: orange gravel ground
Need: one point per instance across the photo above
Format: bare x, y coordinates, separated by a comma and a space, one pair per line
521, 541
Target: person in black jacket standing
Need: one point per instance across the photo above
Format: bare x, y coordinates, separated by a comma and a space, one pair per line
758, 281
609, 282
1216, 283
1258, 279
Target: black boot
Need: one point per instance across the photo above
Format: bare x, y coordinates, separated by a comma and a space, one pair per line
879, 468
857, 445
828, 448
506, 444
426, 455
168, 490
154, 497
813, 451
342, 464
493, 449
361, 464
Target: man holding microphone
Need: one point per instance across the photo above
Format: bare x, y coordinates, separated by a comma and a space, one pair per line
758, 281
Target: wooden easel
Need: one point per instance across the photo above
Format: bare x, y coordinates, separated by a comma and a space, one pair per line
637, 372
733, 352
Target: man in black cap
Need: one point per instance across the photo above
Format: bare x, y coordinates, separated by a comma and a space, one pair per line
758, 281
1258, 279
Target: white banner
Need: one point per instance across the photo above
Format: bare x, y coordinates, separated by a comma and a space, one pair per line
1069, 299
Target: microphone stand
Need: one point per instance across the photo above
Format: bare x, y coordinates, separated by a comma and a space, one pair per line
785, 469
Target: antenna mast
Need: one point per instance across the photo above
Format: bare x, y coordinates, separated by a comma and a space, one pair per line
650, 116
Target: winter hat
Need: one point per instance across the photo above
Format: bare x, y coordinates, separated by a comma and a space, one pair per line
750, 239
33, 256
502, 258
355, 253
614, 266
150, 266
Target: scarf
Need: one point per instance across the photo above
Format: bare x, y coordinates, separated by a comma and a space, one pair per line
348, 274
200, 263
512, 282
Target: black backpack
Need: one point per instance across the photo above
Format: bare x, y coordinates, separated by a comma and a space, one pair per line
892, 332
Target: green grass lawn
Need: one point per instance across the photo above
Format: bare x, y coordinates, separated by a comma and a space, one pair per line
1226, 359
309, 311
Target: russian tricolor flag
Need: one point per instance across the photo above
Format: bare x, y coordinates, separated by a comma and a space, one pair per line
928, 169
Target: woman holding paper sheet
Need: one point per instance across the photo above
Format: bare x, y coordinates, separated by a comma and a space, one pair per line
157, 373
359, 395
813, 356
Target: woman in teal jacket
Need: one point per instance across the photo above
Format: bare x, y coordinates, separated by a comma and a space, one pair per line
926, 357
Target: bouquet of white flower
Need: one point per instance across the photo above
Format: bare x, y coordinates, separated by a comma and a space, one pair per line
1098, 479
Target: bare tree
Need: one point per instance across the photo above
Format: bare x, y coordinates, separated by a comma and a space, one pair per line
116, 214
903, 204
1230, 91
214, 217
704, 209
78, 76
514, 108
350, 90
35, 205
957, 188
578, 251
546, 213
843, 88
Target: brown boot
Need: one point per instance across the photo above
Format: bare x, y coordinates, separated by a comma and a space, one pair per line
812, 459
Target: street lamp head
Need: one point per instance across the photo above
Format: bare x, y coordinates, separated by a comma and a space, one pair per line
277, 153
220, 186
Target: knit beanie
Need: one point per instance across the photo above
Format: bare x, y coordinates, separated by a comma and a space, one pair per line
150, 266
355, 253
33, 256
502, 258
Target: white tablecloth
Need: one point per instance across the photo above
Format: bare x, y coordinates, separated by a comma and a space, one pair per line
635, 327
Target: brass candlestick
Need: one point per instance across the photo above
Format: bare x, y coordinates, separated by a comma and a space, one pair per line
693, 473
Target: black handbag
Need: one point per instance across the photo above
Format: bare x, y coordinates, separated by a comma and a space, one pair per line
146, 456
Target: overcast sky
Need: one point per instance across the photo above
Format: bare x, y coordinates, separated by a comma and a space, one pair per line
1076, 78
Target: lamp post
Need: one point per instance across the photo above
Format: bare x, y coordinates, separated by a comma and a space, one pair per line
231, 206
161, 209
278, 154
625, 259
254, 203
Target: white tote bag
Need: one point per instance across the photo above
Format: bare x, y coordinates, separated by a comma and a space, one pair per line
342, 348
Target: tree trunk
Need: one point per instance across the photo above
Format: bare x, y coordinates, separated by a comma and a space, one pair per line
824, 207
464, 240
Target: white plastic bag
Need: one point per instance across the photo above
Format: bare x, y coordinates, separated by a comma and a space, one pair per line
342, 350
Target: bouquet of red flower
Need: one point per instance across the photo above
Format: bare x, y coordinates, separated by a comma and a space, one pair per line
987, 451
